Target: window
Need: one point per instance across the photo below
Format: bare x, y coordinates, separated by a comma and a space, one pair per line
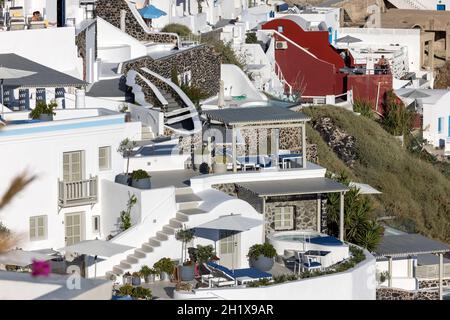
280, 29
284, 218
38, 228
440, 125
96, 224
73, 166
104, 158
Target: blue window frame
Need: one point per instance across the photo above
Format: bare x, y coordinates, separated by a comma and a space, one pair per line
280, 29
441, 7
439, 125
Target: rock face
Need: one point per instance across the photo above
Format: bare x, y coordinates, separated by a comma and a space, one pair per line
398, 294
342, 143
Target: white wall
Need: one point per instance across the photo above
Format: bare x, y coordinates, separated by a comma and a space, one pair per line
41, 154
431, 113
39, 46
237, 83
355, 284
380, 36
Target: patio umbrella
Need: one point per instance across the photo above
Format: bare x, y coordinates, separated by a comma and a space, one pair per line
348, 40
22, 258
8, 73
97, 248
151, 12
212, 230
415, 94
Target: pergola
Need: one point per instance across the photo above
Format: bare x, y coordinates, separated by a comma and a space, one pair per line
267, 117
407, 245
291, 187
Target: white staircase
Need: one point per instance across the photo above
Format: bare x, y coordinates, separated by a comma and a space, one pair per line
187, 205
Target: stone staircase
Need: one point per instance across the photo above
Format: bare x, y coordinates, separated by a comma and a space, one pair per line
187, 205
409, 4
147, 133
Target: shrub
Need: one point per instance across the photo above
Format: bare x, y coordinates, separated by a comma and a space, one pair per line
164, 265
126, 290
195, 94
204, 254
141, 293
226, 52
139, 174
266, 249
364, 108
43, 108
251, 38
180, 29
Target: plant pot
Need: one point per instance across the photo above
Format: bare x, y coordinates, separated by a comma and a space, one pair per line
164, 276
46, 117
127, 280
219, 167
136, 281
141, 183
122, 179
187, 273
262, 263
150, 278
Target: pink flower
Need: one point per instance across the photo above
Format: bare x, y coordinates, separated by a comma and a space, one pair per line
40, 268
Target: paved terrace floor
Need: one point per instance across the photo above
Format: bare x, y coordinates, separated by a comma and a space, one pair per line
176, 178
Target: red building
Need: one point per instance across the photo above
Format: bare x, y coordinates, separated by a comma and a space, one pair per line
310, 64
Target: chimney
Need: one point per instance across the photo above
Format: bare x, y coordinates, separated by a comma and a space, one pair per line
80, 102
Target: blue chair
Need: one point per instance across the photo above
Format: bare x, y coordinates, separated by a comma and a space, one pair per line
304, 263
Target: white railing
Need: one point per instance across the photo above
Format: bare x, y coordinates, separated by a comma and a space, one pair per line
280, 76
76, 193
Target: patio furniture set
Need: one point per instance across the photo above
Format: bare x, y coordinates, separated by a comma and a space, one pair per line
16, 19
310, 260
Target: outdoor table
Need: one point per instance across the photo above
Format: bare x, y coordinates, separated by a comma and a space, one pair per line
319, 256
286, 159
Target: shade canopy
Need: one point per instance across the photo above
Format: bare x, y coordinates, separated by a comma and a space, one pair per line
10, 73
348, 39
231, 223
96, 248
403, 245
22, 258
415, 94
151, 12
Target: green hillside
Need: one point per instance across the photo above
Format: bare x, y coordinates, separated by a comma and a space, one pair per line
414, 191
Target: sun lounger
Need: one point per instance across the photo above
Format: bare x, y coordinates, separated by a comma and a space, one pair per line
241, 276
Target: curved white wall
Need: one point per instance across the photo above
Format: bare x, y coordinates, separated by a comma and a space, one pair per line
237, 83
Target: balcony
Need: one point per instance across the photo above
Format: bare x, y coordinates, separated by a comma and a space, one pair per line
78, 193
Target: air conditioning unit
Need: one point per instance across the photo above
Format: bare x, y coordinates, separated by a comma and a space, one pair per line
281, 45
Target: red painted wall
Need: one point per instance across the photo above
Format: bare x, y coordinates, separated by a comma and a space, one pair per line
365, 87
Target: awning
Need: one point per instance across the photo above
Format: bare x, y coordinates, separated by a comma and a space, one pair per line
96, 248
235, 223
364, 188
41, 76
293, 187
403, 245
22, 258
151, 12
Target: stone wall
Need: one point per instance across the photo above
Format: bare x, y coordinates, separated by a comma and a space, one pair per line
80, 42
110, 10
248, 196
305, 211
428, 284
202, 61
398, 294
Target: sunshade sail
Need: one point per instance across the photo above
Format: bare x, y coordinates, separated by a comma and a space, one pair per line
97, 248
22, 258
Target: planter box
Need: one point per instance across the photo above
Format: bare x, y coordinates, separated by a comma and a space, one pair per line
262, 263
122, 179
46, 117
150, 279
187, 273
141, 183
136, 281
164, 276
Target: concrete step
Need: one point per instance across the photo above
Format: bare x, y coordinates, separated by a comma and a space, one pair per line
182, 217
154, 242
175, 223
118, 270
187, 197
140, 253
132, 258
124, 264
161, 236
185, 190
169, 230
188, 212
187, 205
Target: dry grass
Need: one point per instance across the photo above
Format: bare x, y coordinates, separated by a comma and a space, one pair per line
414, 191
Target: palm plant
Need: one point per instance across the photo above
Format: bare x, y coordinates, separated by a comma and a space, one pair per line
185, 236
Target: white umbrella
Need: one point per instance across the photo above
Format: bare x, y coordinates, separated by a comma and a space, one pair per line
97, 248
8, 73
22, 258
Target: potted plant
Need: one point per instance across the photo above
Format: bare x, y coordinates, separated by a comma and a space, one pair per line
220, 164
188, 267
140, 179
183, 286
125, 291
43, 111
126, 148
204, 254
127, 278
136, 279
261, 256
148, 274
140, 293
165, 267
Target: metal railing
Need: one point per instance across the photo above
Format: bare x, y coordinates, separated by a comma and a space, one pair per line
75, 193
